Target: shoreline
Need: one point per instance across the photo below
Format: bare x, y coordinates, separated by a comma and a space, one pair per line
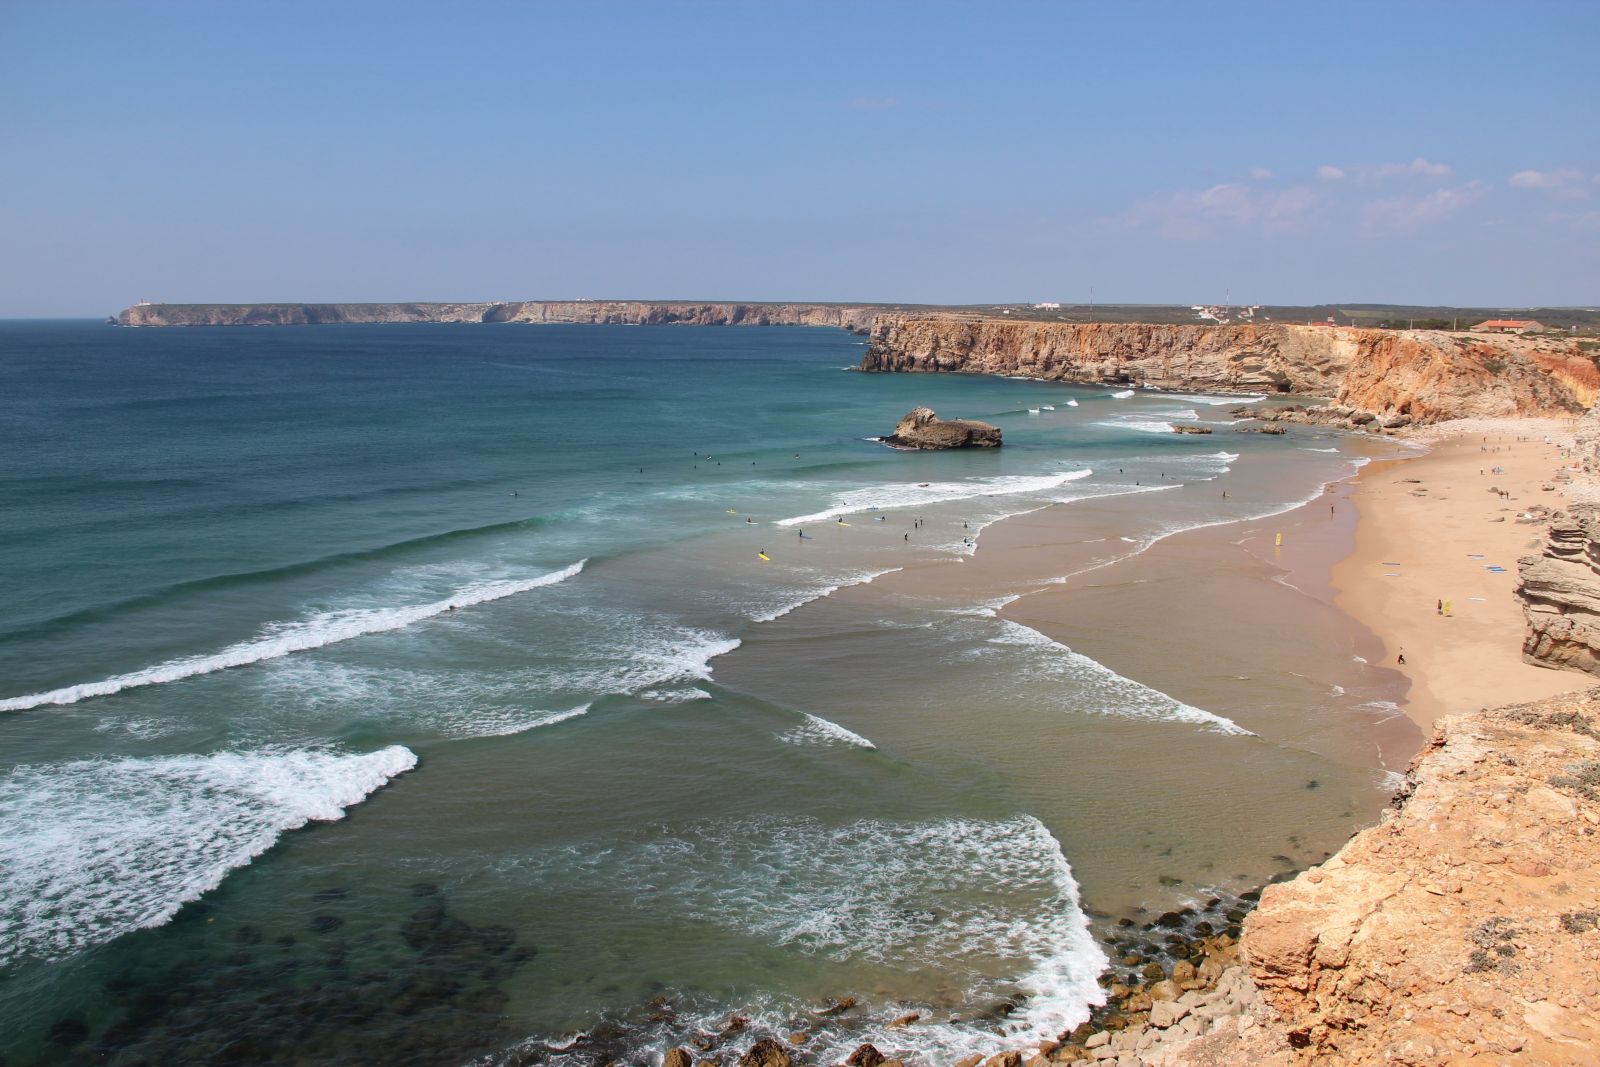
1428, 528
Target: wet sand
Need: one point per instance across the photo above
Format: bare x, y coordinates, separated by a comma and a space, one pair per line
1429, 529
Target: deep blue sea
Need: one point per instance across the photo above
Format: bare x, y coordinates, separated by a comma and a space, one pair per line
420, 694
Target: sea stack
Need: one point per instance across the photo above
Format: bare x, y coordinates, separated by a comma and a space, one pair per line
921, 428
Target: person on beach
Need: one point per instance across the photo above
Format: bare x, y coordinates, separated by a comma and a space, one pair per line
1401, 658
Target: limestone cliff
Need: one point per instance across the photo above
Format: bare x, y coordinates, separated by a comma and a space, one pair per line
856, 318
1426, 375
1560, 591
1463, 928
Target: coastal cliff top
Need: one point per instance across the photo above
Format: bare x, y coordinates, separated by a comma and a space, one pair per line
1465, 927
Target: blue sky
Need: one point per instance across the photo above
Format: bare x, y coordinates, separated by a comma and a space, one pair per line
1149, 152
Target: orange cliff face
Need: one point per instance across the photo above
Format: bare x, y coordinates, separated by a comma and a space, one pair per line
1430, 376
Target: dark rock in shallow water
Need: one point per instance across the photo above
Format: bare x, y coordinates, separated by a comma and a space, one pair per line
327, 896
922, 429
248, 935
424, 889
325, 924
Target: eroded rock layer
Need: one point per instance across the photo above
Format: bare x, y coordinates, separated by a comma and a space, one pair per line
1425, 375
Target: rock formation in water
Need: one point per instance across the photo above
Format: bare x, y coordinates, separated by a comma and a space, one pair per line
922, 429
1425, 376
634, 313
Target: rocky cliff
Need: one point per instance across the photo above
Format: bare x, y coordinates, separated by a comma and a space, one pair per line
1464, 927
1560, 587
1560, 591
1426, 375
858, 319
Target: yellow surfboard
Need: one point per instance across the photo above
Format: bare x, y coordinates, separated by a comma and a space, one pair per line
764, 556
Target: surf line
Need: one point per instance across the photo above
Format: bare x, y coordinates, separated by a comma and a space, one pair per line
325, 629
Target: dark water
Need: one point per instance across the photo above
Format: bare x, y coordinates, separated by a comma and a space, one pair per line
408, 694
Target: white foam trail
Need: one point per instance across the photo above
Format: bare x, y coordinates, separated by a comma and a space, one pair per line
906, 495
816, 730
1033, 411
1118, 695
1214, 401
988, 609
93, 849
863, 578
508, 722
1333, 450
1072, 403
281, 639
1122, 395
1139, 425
675, 696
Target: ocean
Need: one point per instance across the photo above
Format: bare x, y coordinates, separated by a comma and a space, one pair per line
420, 693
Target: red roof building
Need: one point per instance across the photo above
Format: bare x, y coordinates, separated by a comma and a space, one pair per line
1507, 326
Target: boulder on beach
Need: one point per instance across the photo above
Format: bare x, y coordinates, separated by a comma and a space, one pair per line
922, 429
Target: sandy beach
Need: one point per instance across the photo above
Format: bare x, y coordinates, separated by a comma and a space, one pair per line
1431, 532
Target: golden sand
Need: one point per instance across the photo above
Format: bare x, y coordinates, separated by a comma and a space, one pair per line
1428, 531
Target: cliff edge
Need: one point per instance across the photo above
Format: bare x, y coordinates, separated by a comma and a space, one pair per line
1427, 376
587, 312
1463, 928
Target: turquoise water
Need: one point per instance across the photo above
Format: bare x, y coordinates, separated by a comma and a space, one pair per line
419, 692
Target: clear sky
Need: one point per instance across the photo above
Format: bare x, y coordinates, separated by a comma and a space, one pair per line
1283, 152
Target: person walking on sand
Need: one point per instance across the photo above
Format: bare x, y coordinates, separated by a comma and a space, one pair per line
1401, 658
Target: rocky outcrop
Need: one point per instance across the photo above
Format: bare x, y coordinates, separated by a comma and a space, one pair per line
1462, 928
589, 312
922, 429
1335, 415
1426, 376
1560, 591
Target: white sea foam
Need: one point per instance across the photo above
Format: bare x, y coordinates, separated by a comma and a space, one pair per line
1214, 401
988, 609
806, 597
815, 730
1072, 403
988, 906
1122, 395
93, 849
908, 495
1333, 450
1113, 694
1139, 425
675, 696
1391, 781
283, 638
